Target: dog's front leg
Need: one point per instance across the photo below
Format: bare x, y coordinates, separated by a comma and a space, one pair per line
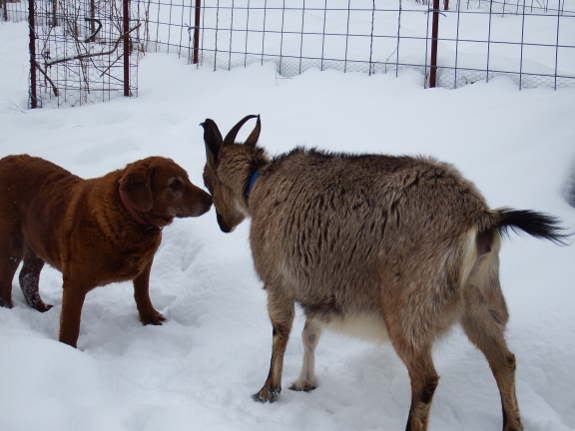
72, 303
148, 314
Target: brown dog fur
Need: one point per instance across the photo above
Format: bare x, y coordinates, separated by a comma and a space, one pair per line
82, 228
387, 247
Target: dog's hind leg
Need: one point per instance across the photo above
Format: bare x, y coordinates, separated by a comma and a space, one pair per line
30, 279
310, 337
11, 253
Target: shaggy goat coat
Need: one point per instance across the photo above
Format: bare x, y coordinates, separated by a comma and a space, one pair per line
380, 246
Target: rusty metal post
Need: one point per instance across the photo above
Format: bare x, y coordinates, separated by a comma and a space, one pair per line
126, 4
434, 36
55, 13
197, 18
31, 24
92, 15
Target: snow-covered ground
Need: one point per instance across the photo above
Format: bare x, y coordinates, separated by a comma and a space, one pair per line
198, 370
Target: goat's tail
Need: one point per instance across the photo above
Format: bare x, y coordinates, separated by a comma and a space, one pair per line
534, 223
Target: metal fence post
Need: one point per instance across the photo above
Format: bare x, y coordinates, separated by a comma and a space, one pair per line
434, 36
126, 11
197, 31
31, 24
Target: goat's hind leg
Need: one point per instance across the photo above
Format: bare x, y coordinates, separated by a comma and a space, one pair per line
310, 337
30, 280
413, 342
424, 380
282, 311
484, 323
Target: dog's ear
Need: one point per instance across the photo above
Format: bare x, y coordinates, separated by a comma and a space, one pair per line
137, 185
213, 139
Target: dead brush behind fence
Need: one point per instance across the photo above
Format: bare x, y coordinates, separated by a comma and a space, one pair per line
452, 43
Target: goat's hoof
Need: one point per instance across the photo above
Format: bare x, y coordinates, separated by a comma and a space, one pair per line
513, 425
265, 396
305, 386
257, 397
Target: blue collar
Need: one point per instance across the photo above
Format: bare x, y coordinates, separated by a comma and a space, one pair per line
255, 176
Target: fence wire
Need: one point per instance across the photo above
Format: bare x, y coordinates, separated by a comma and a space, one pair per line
80, 53
533, 43
529, 41
13, 10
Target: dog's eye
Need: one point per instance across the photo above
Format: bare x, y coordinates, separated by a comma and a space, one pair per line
175, 184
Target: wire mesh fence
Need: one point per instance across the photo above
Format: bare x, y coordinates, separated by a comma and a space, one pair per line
531, 42
13, 10
452, 43
82, 52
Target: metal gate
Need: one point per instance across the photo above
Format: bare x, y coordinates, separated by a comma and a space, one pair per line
81, 51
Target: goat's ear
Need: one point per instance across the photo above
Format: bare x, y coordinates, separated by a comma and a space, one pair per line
213, 139
231, 136
137, 185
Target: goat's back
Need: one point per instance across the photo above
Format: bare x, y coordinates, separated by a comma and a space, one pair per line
334, 230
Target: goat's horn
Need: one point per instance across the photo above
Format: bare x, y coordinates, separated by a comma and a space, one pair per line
255, 135
231, 136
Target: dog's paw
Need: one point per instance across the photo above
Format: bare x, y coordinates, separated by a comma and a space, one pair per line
7, 303
36, 302
153, 319
43, 307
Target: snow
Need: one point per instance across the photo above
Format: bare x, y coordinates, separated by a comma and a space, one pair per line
198, 370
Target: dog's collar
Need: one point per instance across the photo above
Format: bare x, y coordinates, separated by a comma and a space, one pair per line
255, 176
132, 211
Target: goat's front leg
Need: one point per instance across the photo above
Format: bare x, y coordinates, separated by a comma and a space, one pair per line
281, 311
310, 337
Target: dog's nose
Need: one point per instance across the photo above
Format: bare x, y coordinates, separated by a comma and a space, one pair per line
205, 203
207, 200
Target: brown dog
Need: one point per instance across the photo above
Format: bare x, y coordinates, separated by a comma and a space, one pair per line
95, 231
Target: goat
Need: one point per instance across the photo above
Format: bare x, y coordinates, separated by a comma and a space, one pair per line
397, 248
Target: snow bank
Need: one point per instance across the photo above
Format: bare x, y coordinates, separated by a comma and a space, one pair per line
198, 370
